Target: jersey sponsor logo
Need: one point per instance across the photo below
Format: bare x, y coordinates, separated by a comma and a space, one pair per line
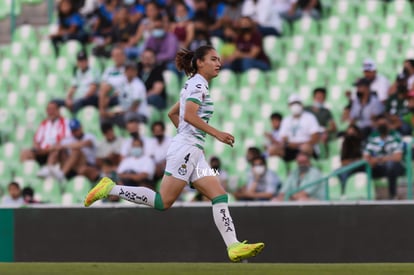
198, 86
182, 170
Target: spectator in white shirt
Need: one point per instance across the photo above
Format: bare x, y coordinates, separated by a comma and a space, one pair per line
132, 128
132, 99
137, 169
158, 148
299, 128
379, 83
14, 198
267, 19
110, 147
78, 154
273, 137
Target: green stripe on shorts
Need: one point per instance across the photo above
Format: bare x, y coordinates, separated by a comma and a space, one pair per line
167, 173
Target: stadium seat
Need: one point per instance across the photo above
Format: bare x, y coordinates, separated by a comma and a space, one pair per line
226, 81
172, 86
64, 68
48, 190
78, 187
10, 152
24, 85
372, 8
54, 86
8, 69
356, 187
401, 8
45, 52
272, 47
70, 49
89, 116
334, 189
306, 26
26, 35
28, 169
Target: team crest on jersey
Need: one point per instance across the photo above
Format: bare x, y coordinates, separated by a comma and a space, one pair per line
182, 170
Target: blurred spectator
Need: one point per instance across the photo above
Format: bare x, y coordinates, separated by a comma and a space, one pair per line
203, 10
121, 33
215, 163
136, 11
164, 44
230, 15
396, 107
229, 44
384, 152
109, 147
132, 100
103, 21
409, 72
137, 42
201, 34
158, 147
273, 138
28, 195
304, 174
112, 80
136, 169
152, 76
84, 88
267, 19
262, 184
14, 198
132, 127
251, 153
47, 139
300, 8
365, 107
249, 49
408, 118
77, 154
324, 116
70, 26
351, 151
299, 128
88, 7
182, 27
379, 84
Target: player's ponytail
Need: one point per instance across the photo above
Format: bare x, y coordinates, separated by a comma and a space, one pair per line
186, 60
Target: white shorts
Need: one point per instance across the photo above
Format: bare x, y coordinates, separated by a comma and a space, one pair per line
186, 162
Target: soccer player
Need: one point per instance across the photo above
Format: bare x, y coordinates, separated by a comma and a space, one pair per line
185, 157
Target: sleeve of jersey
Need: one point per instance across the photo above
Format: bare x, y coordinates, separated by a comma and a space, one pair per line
196, 94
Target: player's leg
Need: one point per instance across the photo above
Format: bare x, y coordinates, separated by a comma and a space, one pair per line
212, 189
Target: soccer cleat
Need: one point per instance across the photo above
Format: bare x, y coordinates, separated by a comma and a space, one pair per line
241, 251
100, 191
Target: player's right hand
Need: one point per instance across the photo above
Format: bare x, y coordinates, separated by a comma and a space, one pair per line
225, 138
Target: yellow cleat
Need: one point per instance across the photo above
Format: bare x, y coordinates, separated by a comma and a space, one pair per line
100, 191
241, 251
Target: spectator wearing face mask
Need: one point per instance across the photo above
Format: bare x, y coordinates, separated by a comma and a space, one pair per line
163, 43
304, 174
300, 127
396, 107
384, 152
182, 27
136, 169
323, 115
201, 34
158, 146
262, 184
132, 127
379, 84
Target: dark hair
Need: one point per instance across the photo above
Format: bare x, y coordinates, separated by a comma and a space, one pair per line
255, 151
186, 60
411, 61
158, 123
15, 184
381, 116
28, 191
261, 158
276, 115
320, 90
106, 126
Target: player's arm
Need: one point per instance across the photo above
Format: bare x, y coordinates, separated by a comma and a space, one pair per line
191, 117
174, 114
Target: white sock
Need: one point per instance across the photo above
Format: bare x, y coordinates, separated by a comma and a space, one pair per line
224, 223
139, 195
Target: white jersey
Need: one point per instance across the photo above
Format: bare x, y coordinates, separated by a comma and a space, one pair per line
195, 90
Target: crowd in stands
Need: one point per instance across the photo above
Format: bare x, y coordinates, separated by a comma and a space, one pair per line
141, 39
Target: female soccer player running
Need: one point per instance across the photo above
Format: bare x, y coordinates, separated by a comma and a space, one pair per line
185, 157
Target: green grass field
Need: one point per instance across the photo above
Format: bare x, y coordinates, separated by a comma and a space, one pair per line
202, 268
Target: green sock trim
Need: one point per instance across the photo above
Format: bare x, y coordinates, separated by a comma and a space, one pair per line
222, 198
159, 205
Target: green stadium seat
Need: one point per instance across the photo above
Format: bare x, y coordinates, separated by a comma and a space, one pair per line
24, 84
363, 24
372, 8
54, 86
70, 49
19, 53
27, 169
89, 116
217, 43
344, 8
45, 52
278, 165
6, 173
31, 117
356, 187
284, 78
401, 8
48, 191
254, 79
10, 152
36, 69
23, 136
335, 26
272, 47
7, 121
79, 187
64, 68
334, 189
226, 81
14, 102
8, 69
172, 86
26, 35
306, 26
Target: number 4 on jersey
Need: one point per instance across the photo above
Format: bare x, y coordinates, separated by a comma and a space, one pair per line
187, 157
